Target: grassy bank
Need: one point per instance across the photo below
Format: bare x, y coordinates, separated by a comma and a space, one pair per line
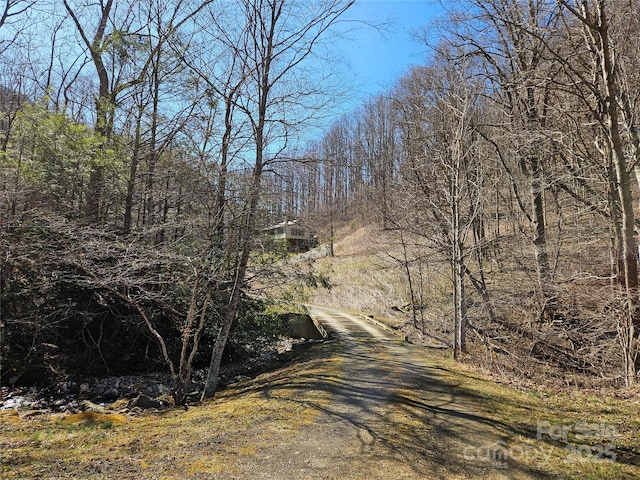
205, 441
571, 434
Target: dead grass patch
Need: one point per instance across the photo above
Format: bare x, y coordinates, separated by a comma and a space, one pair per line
588, 434
198, 443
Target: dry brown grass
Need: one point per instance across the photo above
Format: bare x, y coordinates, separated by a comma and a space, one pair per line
578, 348
203, 442
212, 440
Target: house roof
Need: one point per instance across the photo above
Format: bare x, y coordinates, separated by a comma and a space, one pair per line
286, 223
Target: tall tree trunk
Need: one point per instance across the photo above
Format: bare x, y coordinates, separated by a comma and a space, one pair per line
131, 181
94, 194
460, 313
221, 192
631, 323
247, 228
104, 104
153, 157
245, 247
547, 292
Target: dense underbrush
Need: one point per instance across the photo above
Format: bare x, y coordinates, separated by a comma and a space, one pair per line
577, 346
72, 296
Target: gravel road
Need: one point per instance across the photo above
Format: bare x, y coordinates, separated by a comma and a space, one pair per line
392, 415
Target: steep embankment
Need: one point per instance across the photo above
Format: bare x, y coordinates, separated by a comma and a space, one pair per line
386, 272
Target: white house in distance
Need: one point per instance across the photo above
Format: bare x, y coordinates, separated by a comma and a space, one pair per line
298, 237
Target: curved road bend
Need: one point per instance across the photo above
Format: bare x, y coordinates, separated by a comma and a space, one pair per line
392, 416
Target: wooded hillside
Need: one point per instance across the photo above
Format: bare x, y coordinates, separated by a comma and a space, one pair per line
135, 138
512, 156
146, 145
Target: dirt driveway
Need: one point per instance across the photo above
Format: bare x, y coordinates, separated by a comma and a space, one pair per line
392, 415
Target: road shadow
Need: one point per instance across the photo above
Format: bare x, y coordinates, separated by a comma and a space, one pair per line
386, 409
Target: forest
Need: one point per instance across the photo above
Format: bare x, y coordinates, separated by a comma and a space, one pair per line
146, 145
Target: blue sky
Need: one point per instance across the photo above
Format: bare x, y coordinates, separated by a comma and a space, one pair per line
379, 58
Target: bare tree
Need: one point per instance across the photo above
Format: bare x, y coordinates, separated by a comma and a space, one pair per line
106, 42
377, 148
510, 39
12, 11
439, 120
596, 74
281, 36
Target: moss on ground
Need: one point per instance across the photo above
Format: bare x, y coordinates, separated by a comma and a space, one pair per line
586, 435
203, 441
210, 440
